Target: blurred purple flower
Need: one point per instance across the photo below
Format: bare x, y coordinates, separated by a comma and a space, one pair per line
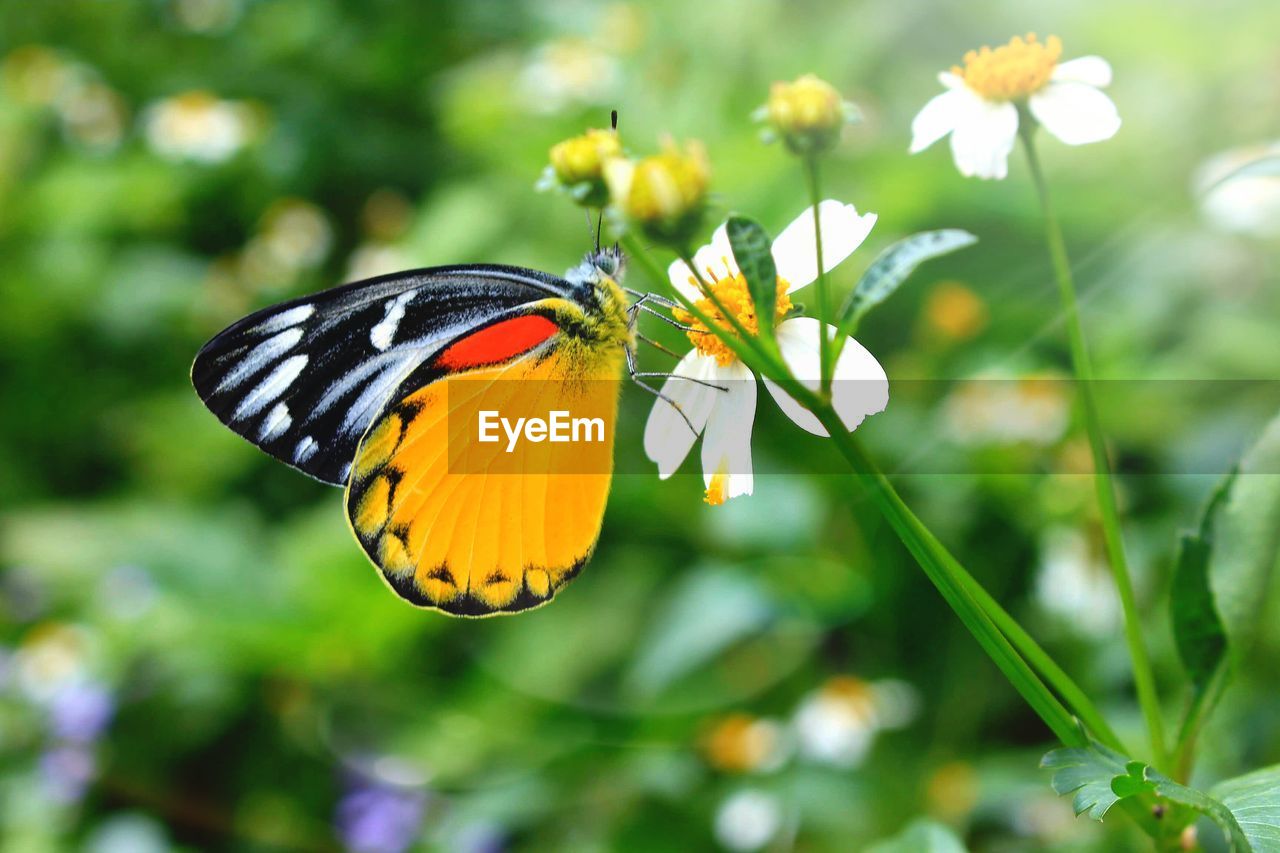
379, 818
80, 712
65, 773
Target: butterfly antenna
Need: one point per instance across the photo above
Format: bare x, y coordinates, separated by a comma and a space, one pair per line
613, 123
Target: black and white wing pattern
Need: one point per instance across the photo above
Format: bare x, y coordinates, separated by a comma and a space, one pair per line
303, 379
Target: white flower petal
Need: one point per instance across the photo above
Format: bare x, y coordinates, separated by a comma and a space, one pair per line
860, 386
843, 230
726, 448
715, 260
667, 437
682, 280
983, 138
950, 80
938, 118
1093, 70
1075, 113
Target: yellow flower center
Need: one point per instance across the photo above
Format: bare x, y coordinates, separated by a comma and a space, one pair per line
735, 296
1012, 71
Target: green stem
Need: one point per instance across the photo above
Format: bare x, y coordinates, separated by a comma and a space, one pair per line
940, 567
1143, 676
826, 367
1074, 697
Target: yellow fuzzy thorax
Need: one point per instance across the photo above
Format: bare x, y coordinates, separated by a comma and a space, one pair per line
1011, 71
593, 347
734, 294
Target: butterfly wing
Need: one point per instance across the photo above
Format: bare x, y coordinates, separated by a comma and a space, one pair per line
475, 528
304, 379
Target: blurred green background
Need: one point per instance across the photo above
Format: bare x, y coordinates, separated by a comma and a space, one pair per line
195, 655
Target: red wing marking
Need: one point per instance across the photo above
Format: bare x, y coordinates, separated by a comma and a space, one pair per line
497, 343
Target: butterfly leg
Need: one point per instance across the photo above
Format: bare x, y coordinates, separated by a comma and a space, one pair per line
661, 348
636, 378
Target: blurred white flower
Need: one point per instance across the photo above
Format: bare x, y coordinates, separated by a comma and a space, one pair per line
374, 259
198, 126
51, 658
128, 833
721, 399
740, 743
1074, 584
984, 99
92, 115
1243, 203
998, 410
206, 16
838, 723
748, 820
35, 74
295, 235
567, 72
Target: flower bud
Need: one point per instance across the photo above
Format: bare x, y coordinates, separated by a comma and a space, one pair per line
664, 194
807, 114
577, 166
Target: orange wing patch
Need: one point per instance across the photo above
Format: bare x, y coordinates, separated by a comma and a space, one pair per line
465, 526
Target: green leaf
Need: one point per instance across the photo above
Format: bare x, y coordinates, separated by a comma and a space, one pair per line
1197, 629
1247, 541
753, 251
1254, 799
1142, 779
1086, 772
892, 268
921, 836
1100, 777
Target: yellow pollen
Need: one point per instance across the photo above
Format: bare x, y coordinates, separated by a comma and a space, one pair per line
736, 298
1012, 71
716, 492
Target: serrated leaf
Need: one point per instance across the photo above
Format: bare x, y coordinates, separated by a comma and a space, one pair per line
1197, 628
1247, 541
1087, 773
753, 251
1144, 779
892, 267
1099, 777
1254, 799
921, 836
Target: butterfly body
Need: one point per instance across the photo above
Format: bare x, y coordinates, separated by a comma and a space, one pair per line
377, 386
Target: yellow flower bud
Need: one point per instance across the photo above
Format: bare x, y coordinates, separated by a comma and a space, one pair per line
577, 165
666, 193
807, 114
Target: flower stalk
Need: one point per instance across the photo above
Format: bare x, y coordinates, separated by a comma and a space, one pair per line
1104, 486
825, 359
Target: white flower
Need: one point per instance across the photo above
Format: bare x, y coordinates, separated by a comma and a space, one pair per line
981, 106
1075, 585
1001, 410
748, 820
198, 126
1240, 190
720, 401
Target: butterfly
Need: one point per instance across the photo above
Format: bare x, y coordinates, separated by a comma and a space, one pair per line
377, 386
